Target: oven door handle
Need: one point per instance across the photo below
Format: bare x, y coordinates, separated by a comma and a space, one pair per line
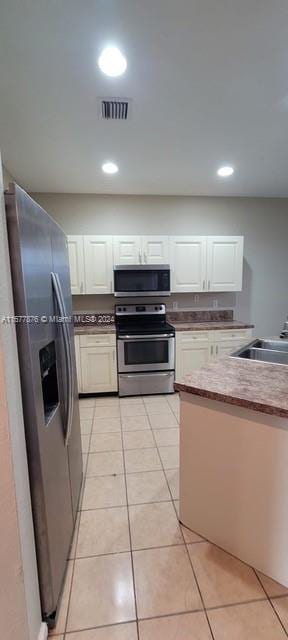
144, 337
144, 375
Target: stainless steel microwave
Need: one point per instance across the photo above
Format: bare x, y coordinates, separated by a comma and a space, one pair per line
141, 280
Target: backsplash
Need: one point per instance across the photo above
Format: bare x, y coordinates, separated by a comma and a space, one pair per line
182, 302
225, 315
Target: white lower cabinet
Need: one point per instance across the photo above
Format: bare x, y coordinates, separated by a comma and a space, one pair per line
195, 349
98, 364
192, 351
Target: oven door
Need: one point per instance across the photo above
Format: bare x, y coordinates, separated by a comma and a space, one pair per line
146, 353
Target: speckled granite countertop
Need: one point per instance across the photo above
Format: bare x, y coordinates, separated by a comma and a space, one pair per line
210, 326
88, 329
259, 386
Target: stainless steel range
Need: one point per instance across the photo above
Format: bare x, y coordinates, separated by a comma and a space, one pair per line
145, 349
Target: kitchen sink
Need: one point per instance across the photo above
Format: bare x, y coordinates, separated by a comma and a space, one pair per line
265, 350
272, 343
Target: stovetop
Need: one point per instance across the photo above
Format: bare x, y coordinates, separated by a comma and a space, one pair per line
143, 328
142, 319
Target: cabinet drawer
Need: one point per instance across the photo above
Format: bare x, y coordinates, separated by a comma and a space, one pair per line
233, 334
186, 337
98, 340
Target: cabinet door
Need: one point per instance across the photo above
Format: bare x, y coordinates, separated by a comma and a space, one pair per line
155, 249
192, 352
227, 341
98, 264
76, 262
224, 263
78, 363
226, 348
127, 250
98, 366
188, 263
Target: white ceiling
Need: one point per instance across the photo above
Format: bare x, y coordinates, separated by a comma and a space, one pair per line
208, 79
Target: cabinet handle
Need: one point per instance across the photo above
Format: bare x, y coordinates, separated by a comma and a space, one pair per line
145, 258
203, 284
211, 350
111, 286
140, 258
216, 349
208, 285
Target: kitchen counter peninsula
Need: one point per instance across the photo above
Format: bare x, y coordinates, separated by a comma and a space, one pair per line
234, 460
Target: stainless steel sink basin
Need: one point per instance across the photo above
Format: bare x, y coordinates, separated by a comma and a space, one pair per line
276, 345
265, 350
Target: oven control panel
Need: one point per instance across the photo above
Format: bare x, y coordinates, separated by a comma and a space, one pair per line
140, 309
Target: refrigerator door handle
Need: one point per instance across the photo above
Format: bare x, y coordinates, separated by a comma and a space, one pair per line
61, 309
71, 376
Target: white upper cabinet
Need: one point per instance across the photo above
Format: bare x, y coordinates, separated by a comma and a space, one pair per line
141, 249
127, 250
155, 249
98, 260
198, 263
76, 261
188, 263
224, 263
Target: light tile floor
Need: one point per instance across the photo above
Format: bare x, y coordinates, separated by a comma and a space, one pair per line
134, 573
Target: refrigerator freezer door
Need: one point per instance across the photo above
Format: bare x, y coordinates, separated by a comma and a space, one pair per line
61, 267
42, 374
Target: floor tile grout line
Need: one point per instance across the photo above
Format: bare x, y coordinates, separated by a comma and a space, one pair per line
74, 559
133, 504
200, 592
127, 622
162, 615
103, 626
237, 604
170, 492
271, 601
130, 537
164, 471
185, 544
123, 551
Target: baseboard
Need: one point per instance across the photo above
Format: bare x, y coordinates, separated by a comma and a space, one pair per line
43, 633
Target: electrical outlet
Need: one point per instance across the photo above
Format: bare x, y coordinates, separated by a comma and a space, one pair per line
175, 305
215, 303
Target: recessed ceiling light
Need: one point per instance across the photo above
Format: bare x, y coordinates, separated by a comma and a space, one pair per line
110, 167
225, 172
112, 62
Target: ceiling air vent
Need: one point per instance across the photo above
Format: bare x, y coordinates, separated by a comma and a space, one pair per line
114, 109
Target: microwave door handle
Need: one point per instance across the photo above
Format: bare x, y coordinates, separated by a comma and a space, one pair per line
61, 310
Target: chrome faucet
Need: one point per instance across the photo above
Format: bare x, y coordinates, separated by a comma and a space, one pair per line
284, 332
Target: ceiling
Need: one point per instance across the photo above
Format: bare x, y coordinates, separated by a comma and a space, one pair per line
209, 85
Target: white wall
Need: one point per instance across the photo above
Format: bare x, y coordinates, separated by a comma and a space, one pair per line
7, 178
263, 222
19, 595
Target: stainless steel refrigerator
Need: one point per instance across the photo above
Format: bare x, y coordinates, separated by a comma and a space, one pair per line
41, 287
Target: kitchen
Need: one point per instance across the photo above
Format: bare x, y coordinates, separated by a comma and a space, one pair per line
166, 173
